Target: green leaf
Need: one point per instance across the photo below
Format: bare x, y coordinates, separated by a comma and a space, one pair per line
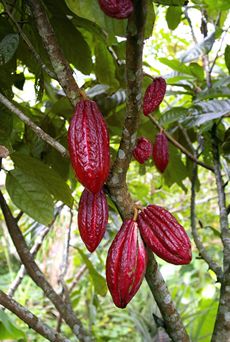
206, 111
8, 330
173, 17
105, 66
150, 19
199, 49
48, 177
197, 70
172, 115
227, 57
30, 195
221, 5
171, 2
73, 44
176, 65
8, 47
98, 281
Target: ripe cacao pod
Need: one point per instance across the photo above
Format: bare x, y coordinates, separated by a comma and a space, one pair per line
164, 235
88, 142
119, 9
142, 150
126, 264
154, 95
92, 218
161, 152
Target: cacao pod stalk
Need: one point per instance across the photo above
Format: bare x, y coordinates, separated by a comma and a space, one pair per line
164, 235
126, 264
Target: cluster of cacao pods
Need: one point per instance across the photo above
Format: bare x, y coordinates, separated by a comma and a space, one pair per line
159, 151
119, 9
88, 142
153, 97
127, 258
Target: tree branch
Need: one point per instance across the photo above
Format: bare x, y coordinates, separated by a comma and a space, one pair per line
38, 277
58, 61
117, 181
38, 131
202, 250
164, 301
179, 146
33, 321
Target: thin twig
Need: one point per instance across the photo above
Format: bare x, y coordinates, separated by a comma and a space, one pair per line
33, 321
179, 146
201, 248
38, 277
27, 41
38, 131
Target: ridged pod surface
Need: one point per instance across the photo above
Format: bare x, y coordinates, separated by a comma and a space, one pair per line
88, 142
92, 218
154, 95
142, 150
164, 235
119, 9
126, 264
161, 152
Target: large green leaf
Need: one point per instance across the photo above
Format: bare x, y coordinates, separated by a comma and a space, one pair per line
172, 115
221, 5
73, 44
90, 9
173, 17
176, 65
98, 281
206, 111
199, 49
46, 176
227, 57
150, 19
30, 195
8, 47
105, 66
8, 330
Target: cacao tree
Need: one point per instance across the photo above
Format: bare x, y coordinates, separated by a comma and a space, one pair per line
114, 160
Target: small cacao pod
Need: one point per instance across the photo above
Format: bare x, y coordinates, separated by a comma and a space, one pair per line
164, 235
126, 264
161, 152
154, 95
119, 9
88, 142
92, 218
142, 150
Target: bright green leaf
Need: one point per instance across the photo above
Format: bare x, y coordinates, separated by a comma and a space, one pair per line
173, 17
227, 57
30, 196
8, 330
46, 176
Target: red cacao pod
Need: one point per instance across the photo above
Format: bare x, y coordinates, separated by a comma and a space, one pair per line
164, 235
119, 9
154, 95
88, 142
161, 152
142, 150
126, 264
92, 218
